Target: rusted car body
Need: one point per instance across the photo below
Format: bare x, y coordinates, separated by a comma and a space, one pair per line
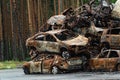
108, 60
111, 38
63, 42
51, 63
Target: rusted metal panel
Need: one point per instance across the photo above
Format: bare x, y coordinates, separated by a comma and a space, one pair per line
108, 63
45, 64
56, 41
112, 37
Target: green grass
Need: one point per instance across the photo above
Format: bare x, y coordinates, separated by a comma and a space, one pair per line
10, 64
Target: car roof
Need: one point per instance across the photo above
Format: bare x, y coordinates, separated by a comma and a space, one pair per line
50, 32
111, 50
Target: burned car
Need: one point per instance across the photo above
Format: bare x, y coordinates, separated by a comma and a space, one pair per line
51, 63
111, 38
63, 42
108, 60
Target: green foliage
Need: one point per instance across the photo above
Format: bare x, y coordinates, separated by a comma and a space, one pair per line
113, 1
27, 59
10, 64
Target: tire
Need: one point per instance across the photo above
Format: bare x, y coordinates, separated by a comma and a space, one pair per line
118, 67
55, 70
84, 62
65, 54
26, 70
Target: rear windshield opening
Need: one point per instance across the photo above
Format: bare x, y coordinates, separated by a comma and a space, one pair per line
114, 31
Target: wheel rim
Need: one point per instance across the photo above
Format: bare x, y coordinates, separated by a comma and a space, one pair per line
65, 54
54, 70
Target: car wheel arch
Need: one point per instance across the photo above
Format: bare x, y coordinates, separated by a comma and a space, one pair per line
116, 67
26, 70
64, 52
63, 48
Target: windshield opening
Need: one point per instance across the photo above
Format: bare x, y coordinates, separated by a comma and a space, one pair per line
65, 35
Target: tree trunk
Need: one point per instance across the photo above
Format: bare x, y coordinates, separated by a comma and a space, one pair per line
6, 28
14, 43
39, 21
1, 35
58, 6
29, 17
55, 7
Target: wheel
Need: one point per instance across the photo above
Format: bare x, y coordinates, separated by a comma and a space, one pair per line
54, 70
84, 62
26, 70
65, 54
118, 67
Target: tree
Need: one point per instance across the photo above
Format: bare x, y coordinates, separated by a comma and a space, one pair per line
1, 35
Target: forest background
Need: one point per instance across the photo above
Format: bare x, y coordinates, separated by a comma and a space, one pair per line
20, 19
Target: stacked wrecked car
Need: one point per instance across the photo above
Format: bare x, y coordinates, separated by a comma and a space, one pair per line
56, 51
87, 40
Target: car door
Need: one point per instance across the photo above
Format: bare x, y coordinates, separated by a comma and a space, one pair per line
113, 57
114, 37
51, 44
41, 43
47, 63
100, 61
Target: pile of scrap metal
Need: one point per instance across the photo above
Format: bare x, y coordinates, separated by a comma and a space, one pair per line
102, 14
66, 42
89, 19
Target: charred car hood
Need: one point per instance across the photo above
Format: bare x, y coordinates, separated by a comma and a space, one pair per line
79, 41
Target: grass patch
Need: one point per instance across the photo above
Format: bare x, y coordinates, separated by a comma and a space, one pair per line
10, 64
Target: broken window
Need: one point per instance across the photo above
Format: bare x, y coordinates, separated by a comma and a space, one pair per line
39, 37
103, 55
65, 35
114, 31
113, 54
50, 38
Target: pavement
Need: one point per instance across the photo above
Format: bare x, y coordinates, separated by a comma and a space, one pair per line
17, 74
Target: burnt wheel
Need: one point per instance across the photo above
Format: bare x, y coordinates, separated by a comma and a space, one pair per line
55, 70
118, 67
26, 70
84, 62
65, 54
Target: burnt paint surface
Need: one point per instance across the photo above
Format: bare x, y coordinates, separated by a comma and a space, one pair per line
112, 38
45, 64
54, 46
105, 63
